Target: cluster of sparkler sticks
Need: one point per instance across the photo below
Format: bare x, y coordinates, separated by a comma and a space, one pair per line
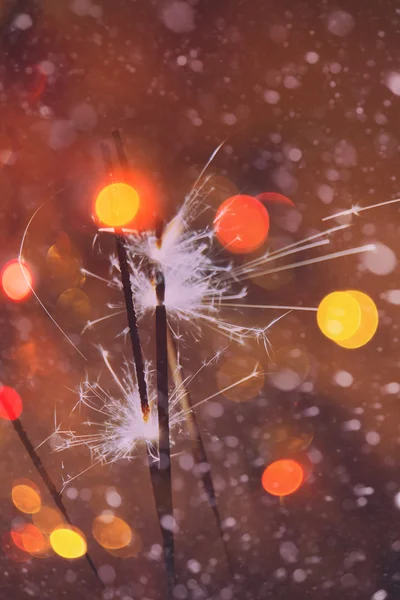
213, 290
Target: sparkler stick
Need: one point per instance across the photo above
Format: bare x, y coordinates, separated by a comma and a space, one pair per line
162, 477
40, 468
199, 452
130, 308
160, 472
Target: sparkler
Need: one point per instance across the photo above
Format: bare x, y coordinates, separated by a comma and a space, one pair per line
42, 471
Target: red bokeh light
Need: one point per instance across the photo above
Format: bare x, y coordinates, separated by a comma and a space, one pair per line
10, 403
16, 280
274, 198
241, 224
282, 477
28, 538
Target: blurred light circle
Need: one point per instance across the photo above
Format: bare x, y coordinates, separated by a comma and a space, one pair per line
10, 404
231, 371
68, 542
117, 204
28, 538
129, 551
274, 198
339, 316
282, 477
26, 499
368, 324
64, 264
381, 261
290, 367
16, 280
47, 519
111, 532
241, 224
74, 304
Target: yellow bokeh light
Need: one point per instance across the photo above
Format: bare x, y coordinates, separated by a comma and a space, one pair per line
111, 532
68, 542
47, 519
339, 316
26, 499
368, 324
117, 204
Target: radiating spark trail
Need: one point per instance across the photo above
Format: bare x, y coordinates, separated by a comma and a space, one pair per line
21, 261
356, 210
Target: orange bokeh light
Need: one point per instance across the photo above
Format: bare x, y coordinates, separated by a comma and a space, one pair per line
10, 404
26, 499
28, 538
16, 280
241, 224
117, 204
282, 477
47, 519
111, 532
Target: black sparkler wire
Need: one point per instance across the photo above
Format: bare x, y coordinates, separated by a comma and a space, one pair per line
198, 449
42, 471
163, 479
160, 471
130, 307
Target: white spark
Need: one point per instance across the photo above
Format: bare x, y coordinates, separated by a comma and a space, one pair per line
115, 425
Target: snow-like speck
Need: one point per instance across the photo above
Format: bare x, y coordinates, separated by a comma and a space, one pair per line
84, 117
392, 296
312, 58
382, 261
169, 523
299, 575
345, 154
352, 425
315, 456
285, 379
180, 592
70, 576
47, 67
226, 593
340, 23
271, 96
23, 21
380, 595
82, 8
294, 154
113, 498
71, 493
194, 566
62, 135
373, 438
291, 82
311, 411
181, 61
325, 193
107, 574
391, 388
229, 119
343, 378
393, 82
288, 551
179, 17
396, 500
186, 462
214, 409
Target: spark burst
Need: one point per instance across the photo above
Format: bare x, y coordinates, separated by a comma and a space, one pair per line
117, 428
199, 284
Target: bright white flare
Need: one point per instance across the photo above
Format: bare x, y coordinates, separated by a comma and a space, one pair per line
116, 428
